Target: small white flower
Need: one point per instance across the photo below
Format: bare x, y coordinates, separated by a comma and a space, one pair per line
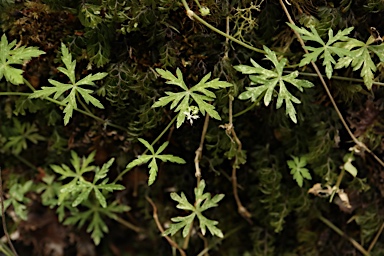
191, 113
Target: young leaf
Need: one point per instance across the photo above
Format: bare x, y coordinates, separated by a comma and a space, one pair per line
298, 170
203, 201
74, 87
23, 132
199, 93
153, 168
348, 166
326, 50
17, 55
360, 58
269, 80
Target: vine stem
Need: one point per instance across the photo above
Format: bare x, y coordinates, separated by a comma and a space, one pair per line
342, 234
160, 227
359, 143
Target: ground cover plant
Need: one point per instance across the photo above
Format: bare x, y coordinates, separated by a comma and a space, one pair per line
191, 127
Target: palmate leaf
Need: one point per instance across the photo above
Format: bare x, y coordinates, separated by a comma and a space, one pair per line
203, 201
17, 55
360, 58
269, 80
74, 87
153, 168
87, 187
78, 189
326, 50
94, 215
199, 93
298, 170
17, 198
23, 132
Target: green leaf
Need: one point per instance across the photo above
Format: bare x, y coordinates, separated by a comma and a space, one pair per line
22, 133
360, 58
269, 80
94, 217
10, 54
23, 103
203, 201
90, 15
326, 50
18, 199
78, 189
199, 93
153, 168
298, 170
74, 88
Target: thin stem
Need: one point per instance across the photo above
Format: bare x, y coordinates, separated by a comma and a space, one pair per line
88, 114
186, 240
246, 110
337, 78
14, 94
3, 216
160, 227
25, 161
5, 249
376, 238
128, 224
359, 143
198, 4
192, 15
82, 103
340, 178
342, 234
29, 85
163, 132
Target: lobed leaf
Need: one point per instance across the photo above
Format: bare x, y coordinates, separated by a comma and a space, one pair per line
269, 80
199, 93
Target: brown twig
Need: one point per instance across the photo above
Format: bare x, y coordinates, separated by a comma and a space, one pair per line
3, 216
230, 130
199, 150
160, 227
